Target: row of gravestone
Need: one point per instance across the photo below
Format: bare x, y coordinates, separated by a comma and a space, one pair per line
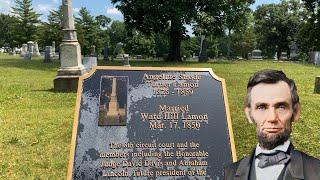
256, 54
29, 50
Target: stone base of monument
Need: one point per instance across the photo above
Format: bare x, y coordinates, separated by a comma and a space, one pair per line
317, 85
66, 83
67, 79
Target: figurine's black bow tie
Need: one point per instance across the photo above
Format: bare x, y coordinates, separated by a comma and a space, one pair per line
271, 159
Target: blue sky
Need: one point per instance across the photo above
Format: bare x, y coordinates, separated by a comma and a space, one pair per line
96, 7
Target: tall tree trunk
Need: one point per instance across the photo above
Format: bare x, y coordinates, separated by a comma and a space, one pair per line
175, 40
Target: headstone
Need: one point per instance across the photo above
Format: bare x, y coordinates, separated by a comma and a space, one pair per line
126, 60
284, 56
30, 47
256, 54
184, 58
12, 52
17, 50
275, 57
71, 67
118, 50
36, 50
106, 52
89, 62
47, 54
6, 49
93, 51
315, 57
24, 50
293, 51
151, 123
27, 56
53, 49
317, 85
139, 56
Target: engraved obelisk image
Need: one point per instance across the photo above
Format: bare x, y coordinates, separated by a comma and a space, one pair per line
113, 101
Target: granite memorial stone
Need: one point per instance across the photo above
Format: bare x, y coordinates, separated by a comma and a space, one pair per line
293, 51
53, 49
151, 123
30, 47
24, 50
275, 57
89, 62
36, 50
106, 52
47, 54
93, 51
126, 60
256, 54
284, 56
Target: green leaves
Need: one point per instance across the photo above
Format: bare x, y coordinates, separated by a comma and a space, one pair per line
28, 18
277, 25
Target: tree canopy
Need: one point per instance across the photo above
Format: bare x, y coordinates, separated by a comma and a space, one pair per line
27, 20
157, 15
277, 25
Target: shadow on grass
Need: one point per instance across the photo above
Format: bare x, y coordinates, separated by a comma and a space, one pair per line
51, 90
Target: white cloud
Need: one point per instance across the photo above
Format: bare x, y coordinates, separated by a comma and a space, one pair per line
44, 8
5, 6
76, 10
55, 1
7, 2
113, 11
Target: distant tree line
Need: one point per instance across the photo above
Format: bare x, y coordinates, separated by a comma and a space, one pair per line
222, 28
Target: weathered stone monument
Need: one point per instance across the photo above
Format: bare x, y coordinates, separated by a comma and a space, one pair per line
293, 51
126, 60
275, 57
24, 50
53, 49
12, 52
70, 55
256, 54
47, 54
284, 56
30, 47
118, 50
314, 57
106, 52
89, 62
36, 50
93, 51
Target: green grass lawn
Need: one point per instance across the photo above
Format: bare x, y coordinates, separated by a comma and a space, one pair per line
36, 123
